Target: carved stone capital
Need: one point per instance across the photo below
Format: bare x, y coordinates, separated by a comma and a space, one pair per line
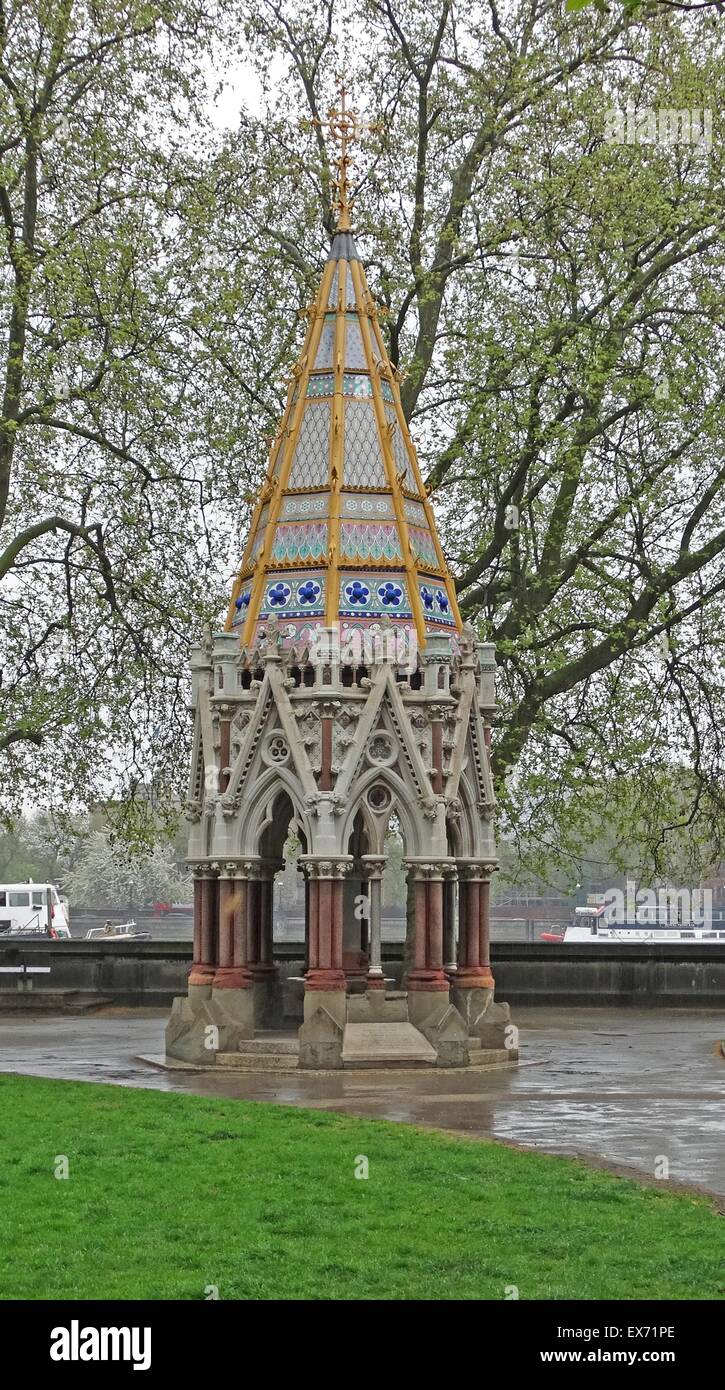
325, 868
316, 800
372, 865
427, 869
481, 869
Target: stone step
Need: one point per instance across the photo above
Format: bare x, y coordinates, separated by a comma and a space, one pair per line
385, 1045
490, 1056
257, 1061
282, 1046
377, 1007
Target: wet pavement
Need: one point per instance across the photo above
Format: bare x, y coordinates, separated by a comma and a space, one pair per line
624, 1087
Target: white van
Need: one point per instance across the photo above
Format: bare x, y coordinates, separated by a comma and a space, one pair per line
30, 908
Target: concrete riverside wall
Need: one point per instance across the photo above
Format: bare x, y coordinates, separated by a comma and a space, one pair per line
85, 974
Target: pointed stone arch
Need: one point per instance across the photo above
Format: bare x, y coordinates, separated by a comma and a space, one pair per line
258, 802
401, 795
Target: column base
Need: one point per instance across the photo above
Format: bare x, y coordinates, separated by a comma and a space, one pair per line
232, 977
473, 977
233, 1012
427, 1007
202, 975
198, 994
375, 979
329, 980
431, 981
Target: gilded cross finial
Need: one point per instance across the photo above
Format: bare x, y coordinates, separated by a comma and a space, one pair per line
345, 128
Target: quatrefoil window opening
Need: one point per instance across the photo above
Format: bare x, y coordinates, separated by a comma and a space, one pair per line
381, 750
276, 750
379, 798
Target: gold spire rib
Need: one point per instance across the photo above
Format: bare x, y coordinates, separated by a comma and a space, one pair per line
337, 452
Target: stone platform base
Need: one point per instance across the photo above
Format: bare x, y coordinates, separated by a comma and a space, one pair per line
213, 1028
276, 1055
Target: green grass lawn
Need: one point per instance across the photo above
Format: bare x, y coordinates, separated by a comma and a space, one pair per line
169, 1194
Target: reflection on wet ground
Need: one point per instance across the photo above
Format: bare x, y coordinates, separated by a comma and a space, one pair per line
622, 1085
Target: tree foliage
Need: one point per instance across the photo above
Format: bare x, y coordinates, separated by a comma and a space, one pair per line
105, 875
107, 471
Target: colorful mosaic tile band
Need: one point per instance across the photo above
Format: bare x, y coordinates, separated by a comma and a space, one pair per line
415, 513
379, 508
370, 542
423, 547
301, 508
305, 540
354, 384
241, 606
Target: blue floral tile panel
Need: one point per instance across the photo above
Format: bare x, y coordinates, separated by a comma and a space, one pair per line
294, 596
241, 605
374, 594
436, 603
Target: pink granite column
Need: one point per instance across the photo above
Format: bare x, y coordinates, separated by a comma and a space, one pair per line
474, 971
196, 957
325, 970
427, 972
231, 972
202, 971
240, 933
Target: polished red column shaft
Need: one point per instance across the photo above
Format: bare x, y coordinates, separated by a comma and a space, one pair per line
427, 972
325, 970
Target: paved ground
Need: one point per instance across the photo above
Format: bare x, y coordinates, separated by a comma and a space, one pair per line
620, 1085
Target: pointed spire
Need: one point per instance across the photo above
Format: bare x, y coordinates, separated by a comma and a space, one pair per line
343, 530
344, 128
